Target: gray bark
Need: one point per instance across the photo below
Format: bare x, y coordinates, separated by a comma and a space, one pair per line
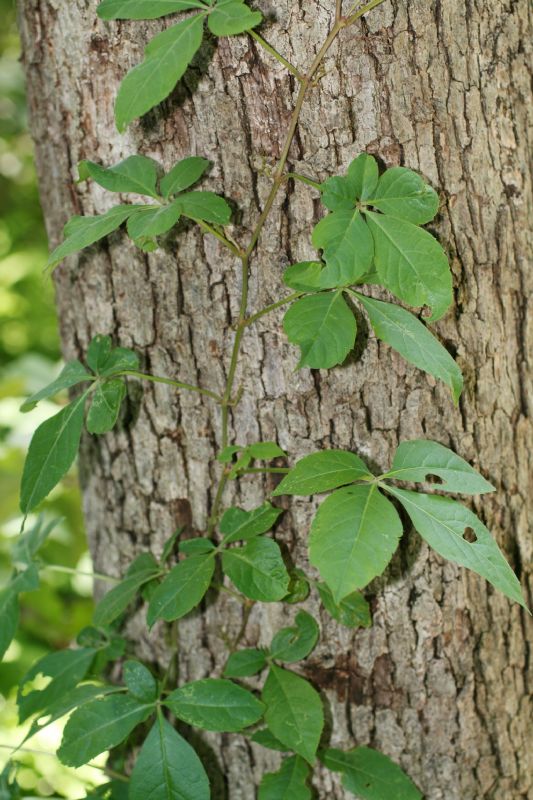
440, 681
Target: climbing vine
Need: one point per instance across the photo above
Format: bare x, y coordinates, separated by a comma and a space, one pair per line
373, 234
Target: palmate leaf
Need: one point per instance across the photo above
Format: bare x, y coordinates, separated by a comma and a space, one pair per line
105, 406
183, 174
353, 537
294, 712
144, 9
257, 570
230, 17
324, 328
72, 373
443, 522
289, 783
142, 570
411, 263
370, 775
410, 337
215, 704
237, 524
167, 57
347, 247
80, 232
65, 669
244, 663
353, 610
167, 768
52, 450
297, 642
137, 174
416, 459
322, 471
182, 589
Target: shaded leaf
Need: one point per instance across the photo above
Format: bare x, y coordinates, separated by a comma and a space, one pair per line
353, 610
257, 570
289, 783
324, 328
266, 738
105, 406
371, 775
9, 616
295, 643
237, 524
140, 681
182, 589
304, 276
30, 542
72, 373
322, 471
143, 569
244, 663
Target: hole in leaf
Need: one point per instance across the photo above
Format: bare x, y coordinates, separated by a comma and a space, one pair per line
469, 535
433, 479
38, 684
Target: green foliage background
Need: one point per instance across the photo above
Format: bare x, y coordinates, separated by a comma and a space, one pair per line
29, 350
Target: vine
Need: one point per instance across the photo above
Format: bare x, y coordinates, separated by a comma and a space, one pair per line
372, 235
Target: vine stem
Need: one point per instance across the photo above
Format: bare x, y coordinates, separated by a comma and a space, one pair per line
178, 384
71, 571
273, 52
272, 307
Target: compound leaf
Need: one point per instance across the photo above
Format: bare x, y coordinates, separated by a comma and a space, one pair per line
230, 17
65, 669
152, 221
105, 406
137, 174
140, 681
370, 775
206, 206
237, 524
295, 643
215, 704
80, 232
257, 570
289, 783
353, 537
403, 194
244, 663
183, 174
305, 276
324, 328
72, 373
294, 712
322, 471
182, 589
353, 610
144, 9
142, 570
347, 247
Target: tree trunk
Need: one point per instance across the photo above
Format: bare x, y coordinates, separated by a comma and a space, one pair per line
439, 682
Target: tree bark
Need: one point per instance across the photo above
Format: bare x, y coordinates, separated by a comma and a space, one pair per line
440, 681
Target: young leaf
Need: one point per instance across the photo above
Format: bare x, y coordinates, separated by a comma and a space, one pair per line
257, 570
294, 712
265, 450
353, 610
304, 276
206, 206
136, 174
182, 589
153, 221
363, 174
167, 57
237, 524
144, 9
295, 643
80, 232
65, 669
52, 450
370, 775
289, 783
167, 767
443, 522
353, 537
140, 681
410, 337
403, 194
198, 546
230, 17
100, 725
183, 174
105, 406
244, 663
72, 373
347, 247
322, 471
9, 614
417, 459
324, 328
143, 569
215, 705
411, 263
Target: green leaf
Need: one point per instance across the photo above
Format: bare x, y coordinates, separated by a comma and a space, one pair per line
98, 352
322, 471
443, 523
353, 610
105, 406
113, 790
244, 663
140, 681
266, 738
136, 174
257, 570
183, 174
418, 458
143, 569
338, 194
371, 775
324, 328
72, 373
237, 524
167, 57
65, 669
52, 450
304, 276
265, 450
295, 643
353, 537
25, 580
206, 206
169, 546
107, 361
30, 542
226, 455
182, 589
73, 698
347, 247
9, 614
411, 263
294, 712
363, 174
198, 546
410, 337
144, 9
167, 767
403, 194
80, 232
230, 17
153, 221
215, 705
289, 783
100, 725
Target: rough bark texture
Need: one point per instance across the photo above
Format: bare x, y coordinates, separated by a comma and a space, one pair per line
440, 682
